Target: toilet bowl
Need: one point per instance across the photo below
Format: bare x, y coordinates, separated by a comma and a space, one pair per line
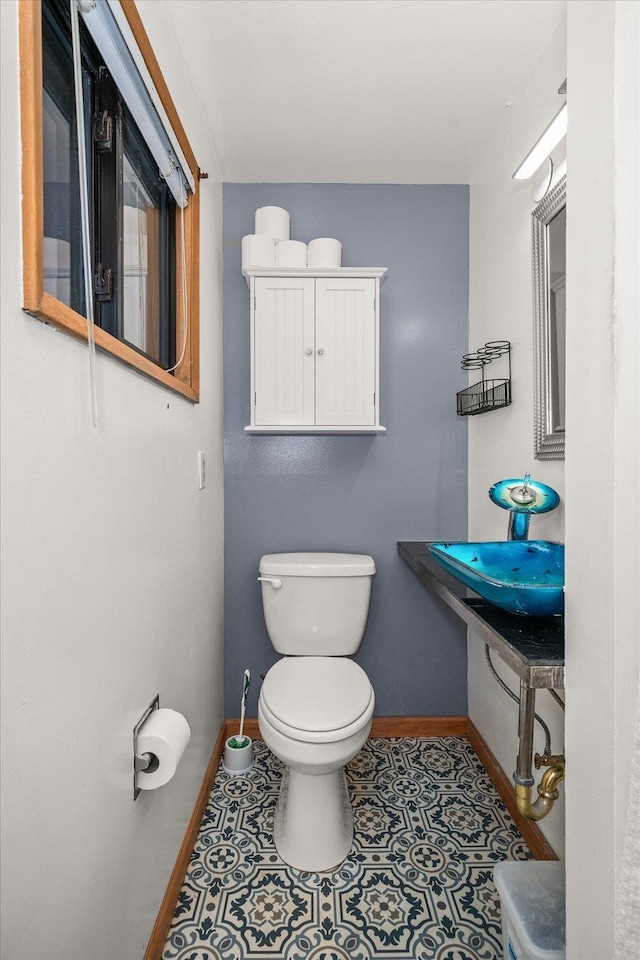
315, 711
315, 733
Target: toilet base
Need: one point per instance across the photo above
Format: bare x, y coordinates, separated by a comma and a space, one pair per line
313, 823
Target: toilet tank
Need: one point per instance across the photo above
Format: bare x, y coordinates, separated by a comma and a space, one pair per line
316, 604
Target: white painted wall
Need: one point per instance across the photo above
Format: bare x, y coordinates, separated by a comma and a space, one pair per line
627, 399
602, 483
603, 462
111, 591
501, 442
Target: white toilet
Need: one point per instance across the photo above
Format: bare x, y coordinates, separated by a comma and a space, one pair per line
316, 706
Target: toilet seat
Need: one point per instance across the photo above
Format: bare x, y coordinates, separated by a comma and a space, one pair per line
317, 699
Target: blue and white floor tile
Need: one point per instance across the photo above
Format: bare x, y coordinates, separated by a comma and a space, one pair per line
417, 884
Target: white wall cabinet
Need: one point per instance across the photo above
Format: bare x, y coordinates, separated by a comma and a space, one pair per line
314, 350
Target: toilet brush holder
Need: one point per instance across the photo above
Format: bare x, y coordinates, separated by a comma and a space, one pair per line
237, 759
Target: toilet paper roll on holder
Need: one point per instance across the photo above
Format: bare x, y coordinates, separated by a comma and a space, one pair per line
143, 761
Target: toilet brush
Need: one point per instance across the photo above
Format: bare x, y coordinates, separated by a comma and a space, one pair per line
241, 740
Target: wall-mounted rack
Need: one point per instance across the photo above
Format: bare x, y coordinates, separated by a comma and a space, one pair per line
485, 395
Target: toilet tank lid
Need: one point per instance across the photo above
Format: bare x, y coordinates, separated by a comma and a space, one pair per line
317, 565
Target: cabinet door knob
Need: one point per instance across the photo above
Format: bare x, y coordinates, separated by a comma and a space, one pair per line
309, 351
320, 351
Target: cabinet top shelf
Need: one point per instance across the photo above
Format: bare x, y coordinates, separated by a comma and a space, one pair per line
345, 272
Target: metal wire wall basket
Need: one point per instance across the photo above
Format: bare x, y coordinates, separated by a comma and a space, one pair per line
486, 395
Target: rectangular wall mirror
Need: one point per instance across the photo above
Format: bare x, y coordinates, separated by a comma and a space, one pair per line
548, 252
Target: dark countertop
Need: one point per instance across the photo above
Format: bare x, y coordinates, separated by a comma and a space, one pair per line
532, 647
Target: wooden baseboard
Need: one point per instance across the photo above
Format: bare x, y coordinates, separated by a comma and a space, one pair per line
250, 728
419, 727
160, 930
531, 833
381, 727
388, 727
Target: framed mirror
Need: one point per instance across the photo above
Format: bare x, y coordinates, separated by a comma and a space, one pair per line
548, 252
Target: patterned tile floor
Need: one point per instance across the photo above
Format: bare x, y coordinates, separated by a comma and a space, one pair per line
417, 884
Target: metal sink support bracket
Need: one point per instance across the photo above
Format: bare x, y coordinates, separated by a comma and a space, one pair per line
522, 497
547, 676
522, 777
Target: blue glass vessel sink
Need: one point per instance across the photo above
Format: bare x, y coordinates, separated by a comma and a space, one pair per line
520, 576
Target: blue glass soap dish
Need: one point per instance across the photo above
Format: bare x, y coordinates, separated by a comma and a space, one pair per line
520, 576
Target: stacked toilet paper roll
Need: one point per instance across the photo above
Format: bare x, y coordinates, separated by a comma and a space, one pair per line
272, 225
324, 252
271, 244
291, 253
273, 222
165, 735
258, 251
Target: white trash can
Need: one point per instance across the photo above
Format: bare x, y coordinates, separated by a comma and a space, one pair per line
532, 900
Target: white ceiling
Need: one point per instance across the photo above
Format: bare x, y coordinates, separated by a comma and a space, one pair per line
366, 91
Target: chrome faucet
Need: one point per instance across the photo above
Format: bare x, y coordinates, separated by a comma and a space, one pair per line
525, 494
522, 497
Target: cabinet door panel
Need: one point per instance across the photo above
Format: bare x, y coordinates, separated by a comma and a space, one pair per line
284, 351
345, 352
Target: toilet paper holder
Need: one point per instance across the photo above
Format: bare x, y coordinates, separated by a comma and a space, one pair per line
143, 761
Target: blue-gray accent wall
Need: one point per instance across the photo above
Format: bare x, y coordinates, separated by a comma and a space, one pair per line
359, 494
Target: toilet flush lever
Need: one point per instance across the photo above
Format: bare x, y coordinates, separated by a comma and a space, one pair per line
275, 582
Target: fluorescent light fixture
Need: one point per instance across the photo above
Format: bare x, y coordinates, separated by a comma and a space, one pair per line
541, 149
107, 36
